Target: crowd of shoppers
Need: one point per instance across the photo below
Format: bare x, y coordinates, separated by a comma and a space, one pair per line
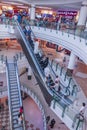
57, 23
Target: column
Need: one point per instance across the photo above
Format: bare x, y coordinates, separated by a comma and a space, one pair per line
36, 47
83, 15
29, 73
32, 12
71, 64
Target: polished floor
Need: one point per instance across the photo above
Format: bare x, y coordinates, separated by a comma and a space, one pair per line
32, 115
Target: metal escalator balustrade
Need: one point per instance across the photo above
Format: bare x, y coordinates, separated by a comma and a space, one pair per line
33, 62
14, 95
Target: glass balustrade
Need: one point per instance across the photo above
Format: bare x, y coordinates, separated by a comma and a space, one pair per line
50, 25
54, 26
61, 71
69, 111
74, 30
3, 91
7, 21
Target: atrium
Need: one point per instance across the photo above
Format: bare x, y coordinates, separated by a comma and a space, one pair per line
43, 65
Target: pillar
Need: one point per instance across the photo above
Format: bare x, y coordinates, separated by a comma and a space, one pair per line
29, 73
36, 47
71, 64
83, 15
32, 12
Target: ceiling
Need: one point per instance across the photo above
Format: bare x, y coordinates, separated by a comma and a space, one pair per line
55, 4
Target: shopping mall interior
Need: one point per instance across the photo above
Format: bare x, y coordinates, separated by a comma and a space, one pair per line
43, 65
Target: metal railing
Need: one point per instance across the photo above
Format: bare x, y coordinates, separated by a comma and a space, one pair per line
7, 21
54, 26
61, 71
74, 30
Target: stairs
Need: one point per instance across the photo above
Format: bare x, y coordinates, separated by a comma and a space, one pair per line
14, 96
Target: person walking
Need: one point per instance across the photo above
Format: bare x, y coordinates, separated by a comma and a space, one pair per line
79, 115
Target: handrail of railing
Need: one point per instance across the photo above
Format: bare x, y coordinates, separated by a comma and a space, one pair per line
10, 109
37, 101
64, 72
18, 82
71, 111
70, 79
54, 26
7, 21
61, 84
51, 25
19, 55
15, 62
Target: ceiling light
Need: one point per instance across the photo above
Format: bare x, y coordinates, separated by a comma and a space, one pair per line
22, 6
43, 7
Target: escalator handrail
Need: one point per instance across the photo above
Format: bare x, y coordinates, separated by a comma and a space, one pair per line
33, 56
19, 90
10, 109
18, 81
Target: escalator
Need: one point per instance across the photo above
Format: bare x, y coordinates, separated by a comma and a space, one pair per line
25, 44
14, 95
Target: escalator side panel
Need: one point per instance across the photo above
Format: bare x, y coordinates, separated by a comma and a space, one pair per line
33, 63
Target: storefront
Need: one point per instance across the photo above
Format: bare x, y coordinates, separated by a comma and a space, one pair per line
9, 11
67, 15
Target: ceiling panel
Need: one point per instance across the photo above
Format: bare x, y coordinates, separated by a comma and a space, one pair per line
47, 3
